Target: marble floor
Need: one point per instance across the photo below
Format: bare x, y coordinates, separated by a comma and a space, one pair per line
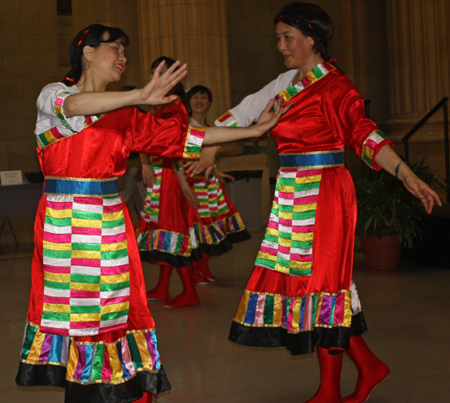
407, 312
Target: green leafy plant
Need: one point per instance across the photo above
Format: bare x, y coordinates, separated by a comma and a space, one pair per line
385, 207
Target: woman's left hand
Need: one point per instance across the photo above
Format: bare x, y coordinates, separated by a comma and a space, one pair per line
154, 93
222, 176
421, 190
204, 163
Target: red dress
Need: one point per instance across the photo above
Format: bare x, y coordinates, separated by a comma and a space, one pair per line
88, 324
300, 293
172, 232
163, 232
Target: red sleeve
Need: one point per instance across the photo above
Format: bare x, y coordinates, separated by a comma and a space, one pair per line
344, 110
169, 138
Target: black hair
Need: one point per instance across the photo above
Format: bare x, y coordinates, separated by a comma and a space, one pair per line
197, 89
311, 20
169, 61
178, 89
93, 35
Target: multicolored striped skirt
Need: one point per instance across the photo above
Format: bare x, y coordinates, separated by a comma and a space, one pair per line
301, 293
88, 326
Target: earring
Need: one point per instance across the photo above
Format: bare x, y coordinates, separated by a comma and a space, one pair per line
87, 66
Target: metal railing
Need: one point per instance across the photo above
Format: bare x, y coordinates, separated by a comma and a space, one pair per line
442, 103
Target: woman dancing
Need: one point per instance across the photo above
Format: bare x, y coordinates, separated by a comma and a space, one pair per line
165, 214
217, 222
88, 326
300, 294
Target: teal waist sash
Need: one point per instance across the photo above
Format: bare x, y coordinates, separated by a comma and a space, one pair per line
81, 187
318, 159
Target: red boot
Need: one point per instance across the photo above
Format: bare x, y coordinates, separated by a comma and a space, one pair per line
189, 295
161, 291
204, 269
371, 371
330, 378
147, 398
198, 278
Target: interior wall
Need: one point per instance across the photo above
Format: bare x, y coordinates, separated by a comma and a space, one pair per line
35, 42
28, 61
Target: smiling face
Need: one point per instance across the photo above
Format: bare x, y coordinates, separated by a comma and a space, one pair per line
296, 48
199, 103
107, 61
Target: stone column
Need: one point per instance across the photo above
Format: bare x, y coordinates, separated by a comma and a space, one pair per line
195, 32
419, 47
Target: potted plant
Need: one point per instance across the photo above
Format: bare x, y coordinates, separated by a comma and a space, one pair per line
388, 215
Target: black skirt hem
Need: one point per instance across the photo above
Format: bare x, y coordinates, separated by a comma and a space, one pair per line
128, 391
178, 261
336, 339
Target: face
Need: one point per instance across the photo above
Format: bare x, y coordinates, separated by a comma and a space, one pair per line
107, 61
296, 48
199, 102
163, 70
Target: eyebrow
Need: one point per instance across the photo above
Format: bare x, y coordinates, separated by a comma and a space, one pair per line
283, 33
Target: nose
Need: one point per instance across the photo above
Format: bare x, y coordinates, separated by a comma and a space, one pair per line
280, 44
122, 58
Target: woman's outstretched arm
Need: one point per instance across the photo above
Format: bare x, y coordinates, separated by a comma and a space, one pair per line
154, 93
214, 136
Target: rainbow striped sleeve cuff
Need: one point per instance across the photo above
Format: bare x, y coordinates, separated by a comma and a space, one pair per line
194, 141
372, 144
60, 98
228, 119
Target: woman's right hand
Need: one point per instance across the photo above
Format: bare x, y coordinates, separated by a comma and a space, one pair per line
148, 175
154, 93
191, 196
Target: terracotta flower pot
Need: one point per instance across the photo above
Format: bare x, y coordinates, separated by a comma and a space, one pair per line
381, 254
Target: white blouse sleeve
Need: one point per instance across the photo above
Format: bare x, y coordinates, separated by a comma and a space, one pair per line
251, 106
50, 105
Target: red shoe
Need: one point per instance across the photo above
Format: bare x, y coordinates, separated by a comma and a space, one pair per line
330, 378
199, 279
202, 267
182, 300
189, 295
155, 295
366, 384
371, 370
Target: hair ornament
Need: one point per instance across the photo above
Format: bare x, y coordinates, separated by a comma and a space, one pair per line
85, 32
70, 79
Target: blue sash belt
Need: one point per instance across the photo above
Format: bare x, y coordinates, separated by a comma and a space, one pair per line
81, 187
319, 159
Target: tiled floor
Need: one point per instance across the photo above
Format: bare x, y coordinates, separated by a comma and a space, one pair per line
407, 312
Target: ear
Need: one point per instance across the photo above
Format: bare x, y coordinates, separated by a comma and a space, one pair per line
88, 52
310, 40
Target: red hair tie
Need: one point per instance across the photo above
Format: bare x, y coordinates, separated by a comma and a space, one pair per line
85, 32
71, 79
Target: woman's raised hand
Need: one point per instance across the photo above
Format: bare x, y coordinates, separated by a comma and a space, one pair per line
154, 93
268, 118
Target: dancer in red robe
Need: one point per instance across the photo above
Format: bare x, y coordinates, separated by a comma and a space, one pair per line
300, 294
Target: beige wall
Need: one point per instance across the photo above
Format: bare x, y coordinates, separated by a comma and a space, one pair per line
28, 61
34, 43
